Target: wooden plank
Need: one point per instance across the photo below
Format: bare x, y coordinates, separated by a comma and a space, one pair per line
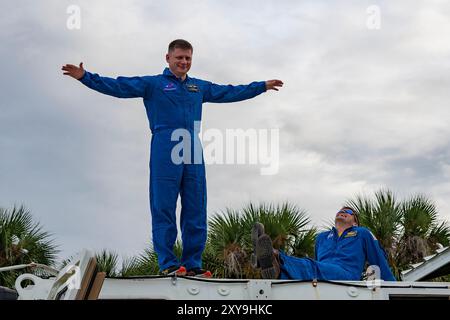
94, 292
88, 277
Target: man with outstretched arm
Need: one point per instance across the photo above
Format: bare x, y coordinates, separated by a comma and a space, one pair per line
173, 100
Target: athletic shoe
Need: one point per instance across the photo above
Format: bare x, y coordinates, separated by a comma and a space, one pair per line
270, 267
198, 272
174, 271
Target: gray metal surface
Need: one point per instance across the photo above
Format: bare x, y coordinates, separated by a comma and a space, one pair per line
433, 266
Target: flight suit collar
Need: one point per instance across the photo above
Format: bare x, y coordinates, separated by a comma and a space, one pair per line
343, 233
169, 73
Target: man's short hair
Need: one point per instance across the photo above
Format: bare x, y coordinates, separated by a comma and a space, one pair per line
355, 214
181, 44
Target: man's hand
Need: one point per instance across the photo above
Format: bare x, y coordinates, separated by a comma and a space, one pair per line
273, 84
74, 71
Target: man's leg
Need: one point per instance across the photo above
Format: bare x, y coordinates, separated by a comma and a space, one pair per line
165, 179
163, 199
275, 264
297, 268
193, 215
330, 271
267, 258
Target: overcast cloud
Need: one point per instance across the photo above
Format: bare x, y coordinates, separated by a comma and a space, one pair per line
361, 109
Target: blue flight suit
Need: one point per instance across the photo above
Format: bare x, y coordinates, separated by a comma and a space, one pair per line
173, 104
338, 258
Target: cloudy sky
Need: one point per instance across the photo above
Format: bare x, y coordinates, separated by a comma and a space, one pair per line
364, 106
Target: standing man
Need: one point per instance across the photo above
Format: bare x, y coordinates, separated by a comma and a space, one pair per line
341, 253
173, 100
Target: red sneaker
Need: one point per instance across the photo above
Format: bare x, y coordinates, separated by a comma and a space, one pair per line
174, 271
198, 272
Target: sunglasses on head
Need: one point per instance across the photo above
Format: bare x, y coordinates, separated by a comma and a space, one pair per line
348, 211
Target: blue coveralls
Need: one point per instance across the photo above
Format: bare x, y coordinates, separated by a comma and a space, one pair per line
338, 258
172, 104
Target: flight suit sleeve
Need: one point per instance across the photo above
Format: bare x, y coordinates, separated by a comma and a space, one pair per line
376, 256
228, 93
121, 87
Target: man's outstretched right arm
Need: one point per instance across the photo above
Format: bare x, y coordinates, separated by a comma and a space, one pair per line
121, 87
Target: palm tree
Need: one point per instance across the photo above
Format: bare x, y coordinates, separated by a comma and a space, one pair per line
146, 263
226, 243
304, 243
439, 235
22, 241
229, 239
283, 223
382, 216
107, 261
421, 231
408, 230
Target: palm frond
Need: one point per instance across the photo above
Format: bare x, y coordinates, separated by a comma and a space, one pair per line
281, 222
419, 214
23, 241
381, 215
107, 261
439, 234
304, 245
226, 234
229, 242
144, 264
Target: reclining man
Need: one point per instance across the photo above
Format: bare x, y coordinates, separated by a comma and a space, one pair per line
341, 253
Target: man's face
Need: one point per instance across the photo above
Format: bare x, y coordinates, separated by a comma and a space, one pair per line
179, 61
345, 218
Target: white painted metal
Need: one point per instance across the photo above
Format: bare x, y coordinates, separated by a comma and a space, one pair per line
428, 266
185, 288
66, 286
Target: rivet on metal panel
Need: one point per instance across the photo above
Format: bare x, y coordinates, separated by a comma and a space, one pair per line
352, 292
314, 283
223, 291
194, 290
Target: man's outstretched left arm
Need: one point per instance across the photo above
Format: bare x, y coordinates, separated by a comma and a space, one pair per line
229, 93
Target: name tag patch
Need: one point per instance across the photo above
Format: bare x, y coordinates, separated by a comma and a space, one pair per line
192, 88
351, 234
